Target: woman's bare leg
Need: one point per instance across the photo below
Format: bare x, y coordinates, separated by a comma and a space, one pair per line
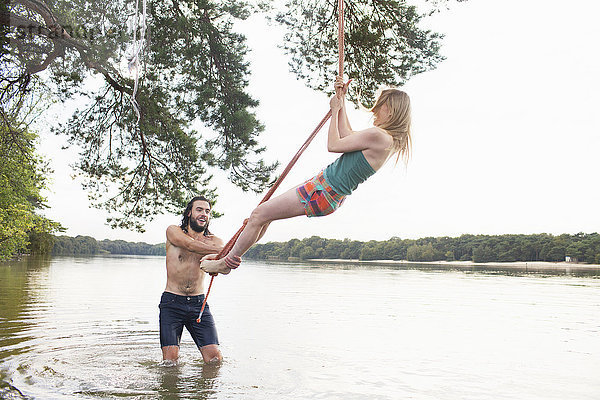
286, 205
263, 231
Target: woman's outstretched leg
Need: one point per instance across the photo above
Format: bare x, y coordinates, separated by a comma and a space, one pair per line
263, 231
286, 205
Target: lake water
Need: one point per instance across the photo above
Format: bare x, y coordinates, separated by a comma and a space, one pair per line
88, 328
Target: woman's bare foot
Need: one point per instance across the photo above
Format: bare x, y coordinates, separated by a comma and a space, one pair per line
214, 267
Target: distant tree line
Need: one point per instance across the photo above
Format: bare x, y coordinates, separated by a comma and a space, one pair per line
581, 247
477, 248
86, 245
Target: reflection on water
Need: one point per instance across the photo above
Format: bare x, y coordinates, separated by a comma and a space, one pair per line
180, 381
88, 328
16, 294
516, 269
14, 323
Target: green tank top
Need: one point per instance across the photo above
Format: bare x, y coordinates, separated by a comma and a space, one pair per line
347, 172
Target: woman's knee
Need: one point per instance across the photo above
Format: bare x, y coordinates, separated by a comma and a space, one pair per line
259, 216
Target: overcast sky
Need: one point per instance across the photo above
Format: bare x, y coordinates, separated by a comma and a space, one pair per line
506, 135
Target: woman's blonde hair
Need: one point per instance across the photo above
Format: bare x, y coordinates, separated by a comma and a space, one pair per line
398, 124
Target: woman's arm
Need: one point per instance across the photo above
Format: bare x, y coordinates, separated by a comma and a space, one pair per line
333, 135
368, 139
343, 123
341, 138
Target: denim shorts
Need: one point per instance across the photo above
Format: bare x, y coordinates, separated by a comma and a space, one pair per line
178, 311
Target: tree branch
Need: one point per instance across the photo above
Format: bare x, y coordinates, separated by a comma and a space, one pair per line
60, 37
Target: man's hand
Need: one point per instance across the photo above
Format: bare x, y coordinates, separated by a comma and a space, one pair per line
209, 257
212, 266
207, 267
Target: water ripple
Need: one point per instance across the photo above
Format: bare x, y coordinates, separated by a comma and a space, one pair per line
309, 333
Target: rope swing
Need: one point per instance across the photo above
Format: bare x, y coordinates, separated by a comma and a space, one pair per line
134, 62
287, 169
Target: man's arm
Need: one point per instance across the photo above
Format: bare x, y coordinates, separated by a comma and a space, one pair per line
178, 238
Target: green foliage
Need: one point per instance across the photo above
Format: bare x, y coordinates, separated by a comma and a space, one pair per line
423, 253
195, 112
23, 177
86, 245
383, 44
476, 248
40, 243
139, 248
371, 250
484, 248
193, 73
482, 254
66, 245
307, 252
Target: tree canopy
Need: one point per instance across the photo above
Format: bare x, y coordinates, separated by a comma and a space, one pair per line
383, 44
196, 114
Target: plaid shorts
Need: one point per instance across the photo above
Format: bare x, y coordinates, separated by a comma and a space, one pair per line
318, 197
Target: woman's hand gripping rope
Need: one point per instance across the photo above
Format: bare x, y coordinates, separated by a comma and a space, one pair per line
341, 88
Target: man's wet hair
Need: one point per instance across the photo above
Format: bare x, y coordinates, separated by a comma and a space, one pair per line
187, 212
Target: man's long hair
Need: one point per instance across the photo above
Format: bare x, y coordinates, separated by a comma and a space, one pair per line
187, 212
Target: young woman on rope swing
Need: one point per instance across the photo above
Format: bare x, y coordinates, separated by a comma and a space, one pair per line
364, 152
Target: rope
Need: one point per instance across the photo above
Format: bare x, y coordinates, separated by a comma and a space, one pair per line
134, 62
341, 38
287, 169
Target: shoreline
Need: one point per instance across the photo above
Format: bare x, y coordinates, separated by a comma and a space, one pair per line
526, 266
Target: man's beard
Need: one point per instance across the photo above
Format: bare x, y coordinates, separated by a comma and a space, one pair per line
197, 228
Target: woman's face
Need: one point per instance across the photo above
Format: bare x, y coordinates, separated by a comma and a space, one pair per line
382, 115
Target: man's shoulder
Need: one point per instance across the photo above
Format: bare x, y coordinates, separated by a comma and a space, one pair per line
175, 234
175, 229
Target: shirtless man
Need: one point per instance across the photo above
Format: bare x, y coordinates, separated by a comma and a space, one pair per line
182, 299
